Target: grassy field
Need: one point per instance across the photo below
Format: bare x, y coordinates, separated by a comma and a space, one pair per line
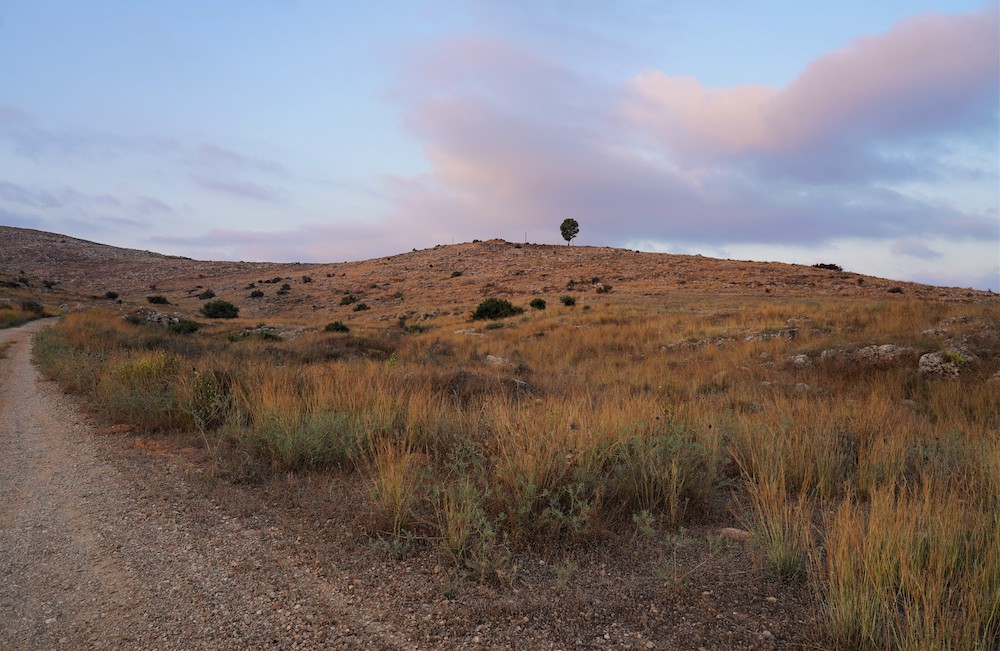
875, 484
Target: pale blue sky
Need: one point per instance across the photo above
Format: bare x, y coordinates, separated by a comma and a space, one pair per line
854, 132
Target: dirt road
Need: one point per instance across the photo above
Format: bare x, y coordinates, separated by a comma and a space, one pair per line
100, 551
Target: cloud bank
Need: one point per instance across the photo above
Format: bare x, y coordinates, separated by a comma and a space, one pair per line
516, 142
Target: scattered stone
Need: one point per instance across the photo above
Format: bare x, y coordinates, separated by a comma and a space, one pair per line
786, 333
873, 354
994, 379
801, 387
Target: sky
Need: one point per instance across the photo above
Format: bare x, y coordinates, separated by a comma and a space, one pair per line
859, 133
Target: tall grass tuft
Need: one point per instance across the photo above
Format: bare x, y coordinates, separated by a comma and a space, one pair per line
911, 569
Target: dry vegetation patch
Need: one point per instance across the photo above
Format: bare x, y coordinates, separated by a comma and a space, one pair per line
865, 482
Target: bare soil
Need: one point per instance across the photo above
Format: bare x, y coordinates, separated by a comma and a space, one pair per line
113, 541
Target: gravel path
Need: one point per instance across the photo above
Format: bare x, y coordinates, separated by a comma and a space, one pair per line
98, 551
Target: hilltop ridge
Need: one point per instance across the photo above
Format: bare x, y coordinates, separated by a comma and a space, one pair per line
435, 278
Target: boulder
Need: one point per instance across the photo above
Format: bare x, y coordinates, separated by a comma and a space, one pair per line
938, 365
802, 362
497, 360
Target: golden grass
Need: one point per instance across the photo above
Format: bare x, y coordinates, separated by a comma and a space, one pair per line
627, 412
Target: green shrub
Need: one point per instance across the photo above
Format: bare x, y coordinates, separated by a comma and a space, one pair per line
348, 299
496, 308
158, 300
256, 294
336, 326
219, 309
537, 303
568, 301
207, 294
361, 307
307, 279
185, 327
111, 295
604, 289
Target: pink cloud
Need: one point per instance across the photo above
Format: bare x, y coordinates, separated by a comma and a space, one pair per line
926, 73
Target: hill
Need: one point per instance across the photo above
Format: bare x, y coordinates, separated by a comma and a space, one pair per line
442, 278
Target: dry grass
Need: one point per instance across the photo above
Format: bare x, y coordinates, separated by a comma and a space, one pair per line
630, 412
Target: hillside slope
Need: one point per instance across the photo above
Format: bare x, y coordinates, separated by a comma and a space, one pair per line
444, 277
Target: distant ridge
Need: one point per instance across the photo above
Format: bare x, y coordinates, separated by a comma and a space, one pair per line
445, 275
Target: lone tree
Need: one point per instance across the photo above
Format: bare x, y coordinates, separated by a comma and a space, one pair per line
569, 229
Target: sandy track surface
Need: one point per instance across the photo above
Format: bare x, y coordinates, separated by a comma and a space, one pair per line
98, 551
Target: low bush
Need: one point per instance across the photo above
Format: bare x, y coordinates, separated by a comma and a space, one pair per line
158, 300
219, 309
336, 326
256, 294
568, 301
207, 294
111, 295
348, 299
496, 308
184, 327
537, 303
827, 265
361, 307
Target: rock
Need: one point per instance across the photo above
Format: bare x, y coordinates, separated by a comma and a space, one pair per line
873, 354
497, 360
802, 361
735, 534
994, 379
831, 355
801, 387
787, 333
938, 365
